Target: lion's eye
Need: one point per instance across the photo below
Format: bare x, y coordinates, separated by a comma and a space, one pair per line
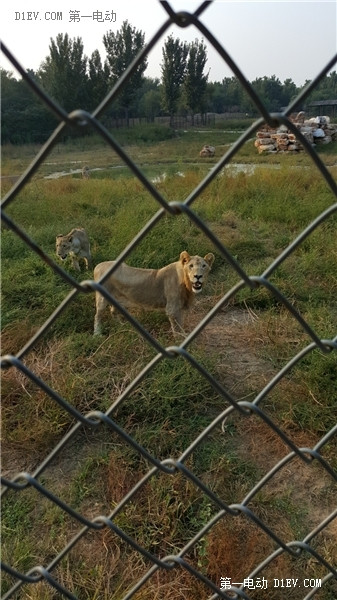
191, 266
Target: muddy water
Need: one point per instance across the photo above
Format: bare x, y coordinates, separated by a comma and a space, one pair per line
231, 168
59, 174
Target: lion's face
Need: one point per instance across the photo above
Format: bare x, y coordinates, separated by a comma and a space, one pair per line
63, 247
196, 269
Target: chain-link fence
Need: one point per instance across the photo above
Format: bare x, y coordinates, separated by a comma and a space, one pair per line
303, 550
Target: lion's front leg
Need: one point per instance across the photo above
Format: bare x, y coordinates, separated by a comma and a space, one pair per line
176, 318
76, 264
74, 261
177, 329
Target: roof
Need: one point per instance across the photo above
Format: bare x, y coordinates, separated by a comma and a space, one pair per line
323, 103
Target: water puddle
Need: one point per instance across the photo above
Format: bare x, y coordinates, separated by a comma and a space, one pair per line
236, 168
60, 174
163, 176
231, 169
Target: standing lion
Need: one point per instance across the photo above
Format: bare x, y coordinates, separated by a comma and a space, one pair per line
171, 288
75, 245
85, 173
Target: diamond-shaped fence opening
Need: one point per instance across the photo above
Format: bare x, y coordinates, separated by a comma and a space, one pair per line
173, 570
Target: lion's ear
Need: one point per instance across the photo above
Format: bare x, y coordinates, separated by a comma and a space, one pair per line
184, 257
209, 258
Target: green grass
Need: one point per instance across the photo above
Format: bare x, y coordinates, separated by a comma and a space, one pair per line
256, 217
18, 515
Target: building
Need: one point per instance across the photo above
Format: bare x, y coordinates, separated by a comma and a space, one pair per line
322, 107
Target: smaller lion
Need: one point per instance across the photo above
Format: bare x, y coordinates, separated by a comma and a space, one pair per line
207, 151
75, 245
85, 173
171, 288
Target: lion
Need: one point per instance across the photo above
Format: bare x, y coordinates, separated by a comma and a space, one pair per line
207, 151
75, 245
171, 288
85, 173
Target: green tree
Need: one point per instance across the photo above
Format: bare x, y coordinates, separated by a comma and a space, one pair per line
233, 93
195, 83
269, 90
121, 48
149, 105
289, 91
215, 94
24, 117
98, 82
173, 70
63, 73
326, 88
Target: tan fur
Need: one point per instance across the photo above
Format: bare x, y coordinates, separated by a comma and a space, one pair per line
75, 245
207, 151
171, 288
85, 173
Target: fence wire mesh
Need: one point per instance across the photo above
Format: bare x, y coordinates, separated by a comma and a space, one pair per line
304, 550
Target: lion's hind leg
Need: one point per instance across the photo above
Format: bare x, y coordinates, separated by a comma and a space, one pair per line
101, 304
88, 262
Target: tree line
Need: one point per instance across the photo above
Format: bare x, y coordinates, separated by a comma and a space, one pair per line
76, 81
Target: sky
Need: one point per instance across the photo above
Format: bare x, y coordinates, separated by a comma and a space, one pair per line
283, 38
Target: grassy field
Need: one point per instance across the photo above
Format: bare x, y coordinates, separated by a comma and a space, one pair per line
256, 215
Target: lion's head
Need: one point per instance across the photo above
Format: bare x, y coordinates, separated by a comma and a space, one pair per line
196, 269
63, 246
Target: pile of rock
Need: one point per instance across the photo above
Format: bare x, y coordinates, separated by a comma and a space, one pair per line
317, 130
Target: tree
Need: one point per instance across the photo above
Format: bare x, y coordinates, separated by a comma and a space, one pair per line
149, 104
289, 91
121, 48
24, 117
269, 89
233, 93
326, 88
195, 83
63, 73
215, 97
173, 70
98, 80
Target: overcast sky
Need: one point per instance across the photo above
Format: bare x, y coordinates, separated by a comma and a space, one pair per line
288, 39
